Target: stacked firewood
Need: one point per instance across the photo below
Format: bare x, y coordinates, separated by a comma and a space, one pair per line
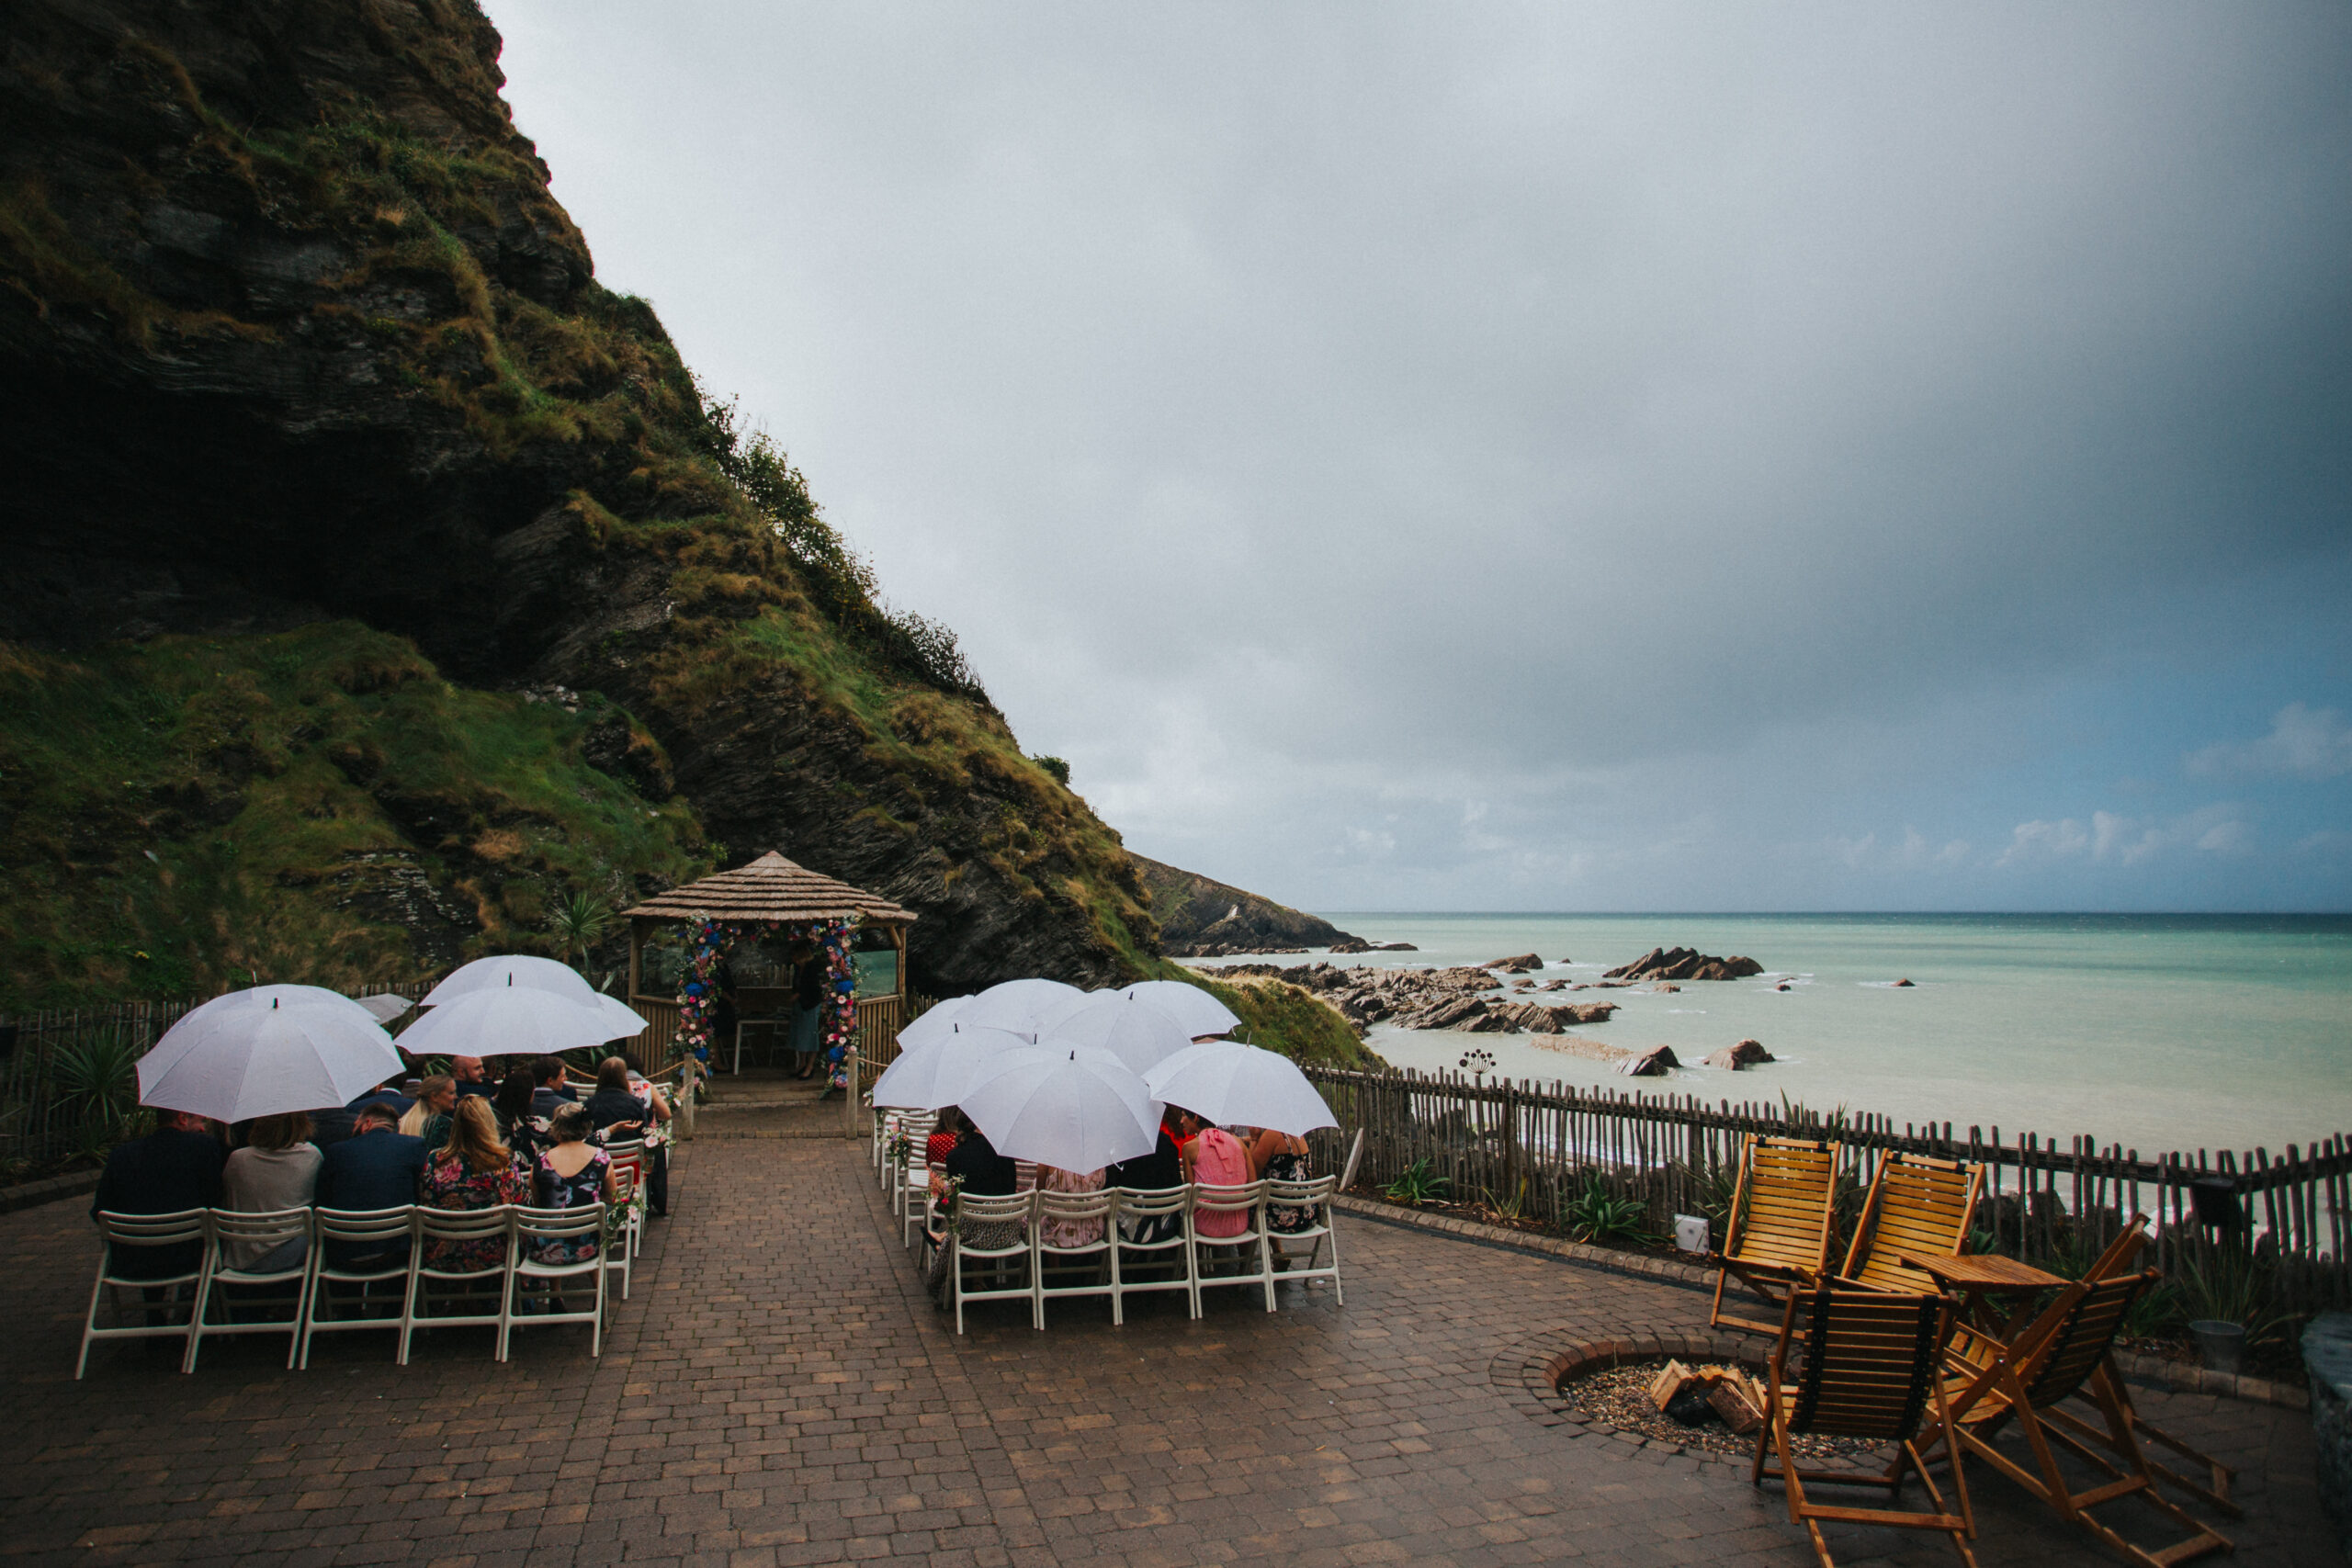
1687, 1394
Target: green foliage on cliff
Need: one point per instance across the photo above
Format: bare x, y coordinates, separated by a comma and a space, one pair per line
1286, 1017
315, 806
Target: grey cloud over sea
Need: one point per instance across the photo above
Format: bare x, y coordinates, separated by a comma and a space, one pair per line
1549, 458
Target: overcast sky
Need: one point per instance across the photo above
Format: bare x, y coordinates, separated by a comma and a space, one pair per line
1558, 458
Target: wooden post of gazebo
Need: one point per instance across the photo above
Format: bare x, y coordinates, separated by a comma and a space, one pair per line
770, 891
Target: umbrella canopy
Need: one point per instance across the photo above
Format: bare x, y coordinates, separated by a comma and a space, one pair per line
269, 1050
622, 1020
1018, 1004
385, 1006
508, 1020
933, 1022
514, 970
1075, 1108
1137, 1032
926, 1077
1236, 1085
1195, 1009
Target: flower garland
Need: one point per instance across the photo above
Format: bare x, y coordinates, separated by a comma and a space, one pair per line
698, 997
841, 1001
837, 1009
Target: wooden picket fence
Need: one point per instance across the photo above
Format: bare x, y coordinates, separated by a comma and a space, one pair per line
1535, 1148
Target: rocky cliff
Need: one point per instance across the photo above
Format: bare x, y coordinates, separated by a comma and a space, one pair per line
1199, 918
294, 332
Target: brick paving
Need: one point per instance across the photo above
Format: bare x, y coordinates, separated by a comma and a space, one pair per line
779, 1392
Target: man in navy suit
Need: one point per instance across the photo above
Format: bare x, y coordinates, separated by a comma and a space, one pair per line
554, 1093
376, 1167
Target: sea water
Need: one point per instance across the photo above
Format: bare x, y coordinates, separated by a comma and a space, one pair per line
2156, 1031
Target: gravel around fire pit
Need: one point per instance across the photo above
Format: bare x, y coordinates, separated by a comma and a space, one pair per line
1621, 1396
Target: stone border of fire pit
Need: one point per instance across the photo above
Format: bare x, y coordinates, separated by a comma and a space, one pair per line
1531, 1370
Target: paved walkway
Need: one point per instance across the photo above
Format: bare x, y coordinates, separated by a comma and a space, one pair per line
778, 1392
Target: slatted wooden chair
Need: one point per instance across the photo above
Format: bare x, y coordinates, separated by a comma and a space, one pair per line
2213, 1488
2062, 1353
1870, 1368
1779, 1231
1920, 1207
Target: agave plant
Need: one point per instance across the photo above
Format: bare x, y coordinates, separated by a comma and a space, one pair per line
97, 1079
579, 922
1598, 1217
2225, 1286
1420, 1183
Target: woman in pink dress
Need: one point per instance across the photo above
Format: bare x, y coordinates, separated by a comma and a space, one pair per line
1214, 1157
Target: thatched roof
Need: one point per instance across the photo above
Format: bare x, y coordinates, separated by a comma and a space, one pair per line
770, 888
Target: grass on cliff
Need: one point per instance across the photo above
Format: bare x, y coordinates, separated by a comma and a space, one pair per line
317, 805
1286, 1017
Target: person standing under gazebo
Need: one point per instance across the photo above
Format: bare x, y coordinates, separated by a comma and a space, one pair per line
807, 1009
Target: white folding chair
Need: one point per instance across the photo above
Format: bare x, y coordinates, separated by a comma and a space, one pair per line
537, 1230
1315, 1196
966, 1259
376, 1247
1084, 1268
1151, 1242
133, 1258
241, 1290
914, 1209
915, 1128
881, 1115
626, 1195
477, 1291
1250, 1260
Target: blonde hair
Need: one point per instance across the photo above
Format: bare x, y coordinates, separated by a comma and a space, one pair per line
419, 1116
473, 1136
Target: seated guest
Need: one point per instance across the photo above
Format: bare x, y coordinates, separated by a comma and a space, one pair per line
1154, 1172
386, 1093
1069, 1233
470, 1076
1282, 1157
612, 1110
475, 1171
519, 1128
570, 1173
175, 1168
277, 1168
657, 1162
1214, 1157
330, 1125
429, 1117
944, 1135
376, 1167
553, 1091
975, 1168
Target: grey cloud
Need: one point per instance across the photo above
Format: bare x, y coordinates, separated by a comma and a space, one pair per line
2304, 743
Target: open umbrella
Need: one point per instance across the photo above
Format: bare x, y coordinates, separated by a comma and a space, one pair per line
1018, 1004
1137, 1032
508, 1020
1076, 1109
266, 1051
513, 970
622, 1020
932, 1023
1240, 1086
1195, 1009
385, 1006
926, 1077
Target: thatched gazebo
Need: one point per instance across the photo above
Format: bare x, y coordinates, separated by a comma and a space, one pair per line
862, 935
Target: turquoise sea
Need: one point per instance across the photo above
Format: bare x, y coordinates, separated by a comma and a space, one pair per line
2158, 1032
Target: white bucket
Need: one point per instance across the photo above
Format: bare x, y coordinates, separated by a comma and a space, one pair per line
1691, 1233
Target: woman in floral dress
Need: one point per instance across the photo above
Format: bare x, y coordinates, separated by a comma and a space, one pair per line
571, 1173
474, 1171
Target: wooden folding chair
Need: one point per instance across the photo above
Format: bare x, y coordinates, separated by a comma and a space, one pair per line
1920, 1207
2062, 1353
1872, 1366
2214, 1491
1778, 1234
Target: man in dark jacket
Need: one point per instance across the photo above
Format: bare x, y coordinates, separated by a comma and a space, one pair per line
376, 1167
175, 1167
553, 1092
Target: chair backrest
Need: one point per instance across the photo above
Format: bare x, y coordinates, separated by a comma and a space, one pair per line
979, 1208
1208, 1200
1052, 1205
462, 1224
365, 1224
1916, 1205
1788, 1187
2063, 1345
2122, 1252
153, 1230
1149, 1202
625, 1149
1870, 1360
532, 1226
271, 1226
1314, 1192
624, 1183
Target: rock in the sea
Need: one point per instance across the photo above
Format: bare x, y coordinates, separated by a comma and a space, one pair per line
1394, 947
1781, 986
1518, 963
1552, 986
1652, 1063
1684, 964
1584, 1013
1734, 1058
1666, 986
1899, 985
1349, 944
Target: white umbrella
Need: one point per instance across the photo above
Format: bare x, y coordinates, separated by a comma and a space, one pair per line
513, 970
507, 1020
1198, 1012
1240, 1086
266, 1051
1137, 1032
1076, 1109
926, 1077
385, 1006
932, 1023
1017, 1004
622, 1020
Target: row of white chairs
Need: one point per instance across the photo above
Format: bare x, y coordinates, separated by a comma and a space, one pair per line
383, 1281
1148, 1242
